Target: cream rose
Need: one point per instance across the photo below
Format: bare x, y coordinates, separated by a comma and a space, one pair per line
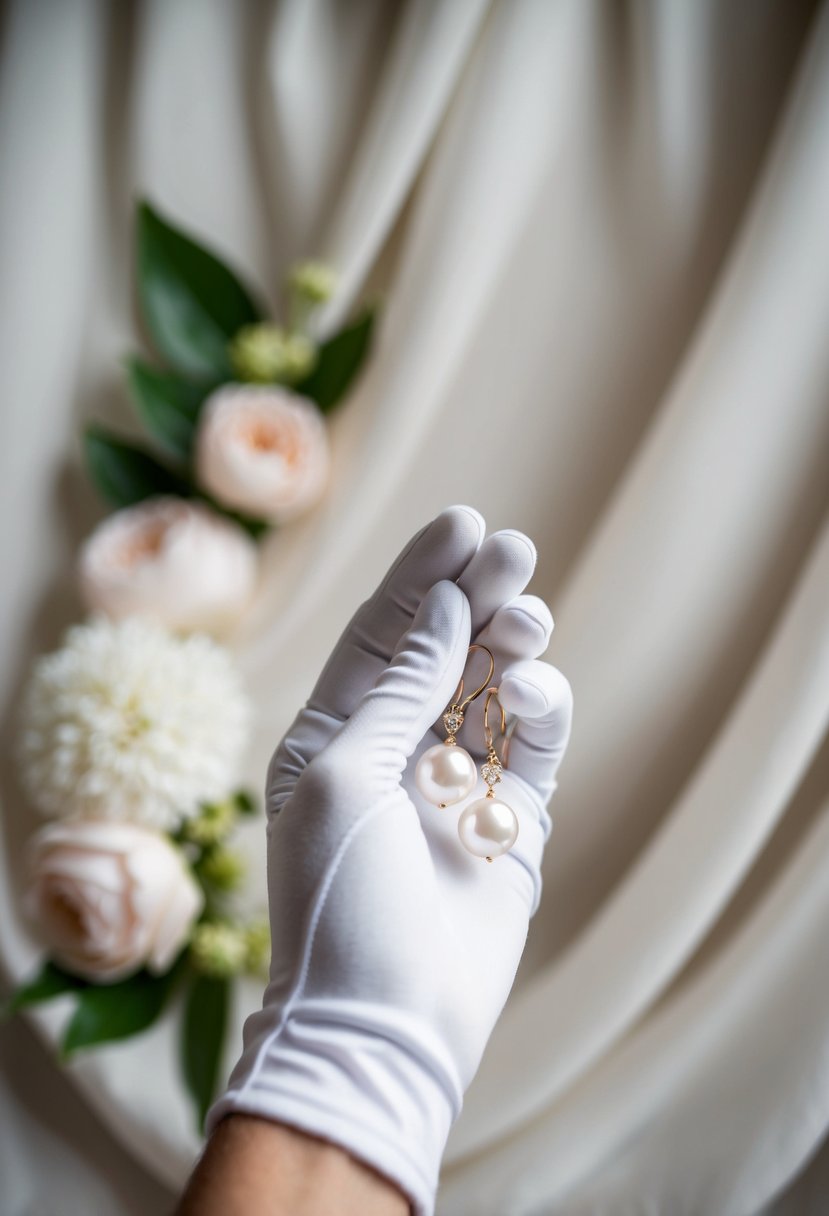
110, 898
175, 561
262, 450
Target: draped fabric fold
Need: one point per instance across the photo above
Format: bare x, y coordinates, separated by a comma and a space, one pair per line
751, 396
598, 235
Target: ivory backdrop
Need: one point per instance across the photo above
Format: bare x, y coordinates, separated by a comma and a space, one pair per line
601, 234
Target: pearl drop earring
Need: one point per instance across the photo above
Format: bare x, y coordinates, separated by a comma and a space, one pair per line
488, 827
446, 772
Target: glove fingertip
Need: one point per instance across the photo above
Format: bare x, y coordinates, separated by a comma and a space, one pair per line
533, 689
443, 608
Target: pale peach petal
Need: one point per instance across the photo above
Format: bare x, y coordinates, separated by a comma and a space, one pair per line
177, 562
111, 897
263, 450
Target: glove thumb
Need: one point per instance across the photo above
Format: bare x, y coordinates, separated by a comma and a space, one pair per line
413, 690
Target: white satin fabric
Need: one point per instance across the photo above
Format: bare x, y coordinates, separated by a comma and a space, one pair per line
600, 232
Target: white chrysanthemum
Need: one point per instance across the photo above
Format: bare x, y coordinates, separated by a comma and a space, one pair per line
127, 721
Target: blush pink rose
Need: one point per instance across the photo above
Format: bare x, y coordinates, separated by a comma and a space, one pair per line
262, 450
111, 898
176, 561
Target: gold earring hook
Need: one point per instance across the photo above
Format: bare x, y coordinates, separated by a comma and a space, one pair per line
456, 702
490, 693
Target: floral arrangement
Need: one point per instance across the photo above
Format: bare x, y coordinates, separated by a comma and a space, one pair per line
133, 731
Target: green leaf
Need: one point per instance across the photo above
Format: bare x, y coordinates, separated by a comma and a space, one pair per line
338, 361
167, 405
191, 302
107, 1012
49, 983
123, 472
245, 802
202, 1038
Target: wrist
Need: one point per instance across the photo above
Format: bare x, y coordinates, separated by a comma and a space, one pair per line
279, 1170
376, 1082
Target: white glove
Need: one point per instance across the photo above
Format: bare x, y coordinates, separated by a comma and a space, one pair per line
394, 949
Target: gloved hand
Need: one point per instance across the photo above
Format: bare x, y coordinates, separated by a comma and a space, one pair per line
394, 948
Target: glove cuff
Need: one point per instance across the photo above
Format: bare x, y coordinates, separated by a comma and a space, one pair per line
376, 1082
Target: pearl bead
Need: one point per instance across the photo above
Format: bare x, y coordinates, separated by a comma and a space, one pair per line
445, 774
488, 827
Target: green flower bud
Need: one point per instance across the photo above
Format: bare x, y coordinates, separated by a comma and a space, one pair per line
215, 821
265, 354
300, 356
223, 869
314, 281
258, 944
218, 949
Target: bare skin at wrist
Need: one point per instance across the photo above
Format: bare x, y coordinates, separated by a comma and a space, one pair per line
253, 1165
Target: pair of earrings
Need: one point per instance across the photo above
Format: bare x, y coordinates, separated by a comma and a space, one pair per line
446, 773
